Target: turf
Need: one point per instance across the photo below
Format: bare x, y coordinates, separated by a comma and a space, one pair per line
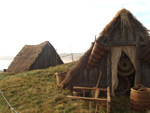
37, 92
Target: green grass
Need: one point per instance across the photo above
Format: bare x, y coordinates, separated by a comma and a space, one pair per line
121, 104
5, 75
37, 92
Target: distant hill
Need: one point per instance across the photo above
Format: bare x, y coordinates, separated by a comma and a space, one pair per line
67, 57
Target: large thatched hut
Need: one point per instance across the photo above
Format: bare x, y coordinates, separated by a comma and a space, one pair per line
121, 53
35, 57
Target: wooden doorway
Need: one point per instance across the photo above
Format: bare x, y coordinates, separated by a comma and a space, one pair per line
126, 75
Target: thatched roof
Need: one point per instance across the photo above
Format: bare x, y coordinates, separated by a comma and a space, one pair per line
127, 25
28, 56
124, 26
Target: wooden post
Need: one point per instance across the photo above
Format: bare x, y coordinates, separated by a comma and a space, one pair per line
90, 107
97, 92
79, 108
71, 54
103, 100
83, 93
87, 72
138, 71
97, 108
97, 89
109, 69
108, 100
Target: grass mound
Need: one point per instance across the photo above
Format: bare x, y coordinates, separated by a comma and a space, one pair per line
37, 92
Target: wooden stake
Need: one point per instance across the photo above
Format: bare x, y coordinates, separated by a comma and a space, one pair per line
108, 100
97, 108
90, 107
97, 91
98, 79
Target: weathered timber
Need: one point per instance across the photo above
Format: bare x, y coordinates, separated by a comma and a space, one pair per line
87, 98
89, 88
126, 43
109, 69
97, 91
138, 75
108, 100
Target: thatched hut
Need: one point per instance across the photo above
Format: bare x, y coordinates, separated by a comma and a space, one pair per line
121, 53
35, 57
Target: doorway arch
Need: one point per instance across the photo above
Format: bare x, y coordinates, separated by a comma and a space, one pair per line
126, 75
116, 53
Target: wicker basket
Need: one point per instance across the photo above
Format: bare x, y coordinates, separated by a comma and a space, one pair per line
140, 98
60, 77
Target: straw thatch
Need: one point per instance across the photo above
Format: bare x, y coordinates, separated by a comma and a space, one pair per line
35, 57
125, 27
123, 30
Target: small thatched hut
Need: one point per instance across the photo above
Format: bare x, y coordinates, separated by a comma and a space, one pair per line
35, 57
121, 53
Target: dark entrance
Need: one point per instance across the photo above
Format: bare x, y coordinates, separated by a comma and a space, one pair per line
126, 75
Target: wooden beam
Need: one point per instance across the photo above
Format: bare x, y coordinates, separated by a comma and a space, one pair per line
97, 91
121, 43
108, 69
144, 43
108, 100
108, 94
87, 98
138, 70
88, 88
98, 79
90, 107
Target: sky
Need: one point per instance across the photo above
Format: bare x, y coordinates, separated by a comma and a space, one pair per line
64, 23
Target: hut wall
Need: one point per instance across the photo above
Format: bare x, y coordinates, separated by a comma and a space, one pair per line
93, 76
119, 35
103, 68
145, 74
90, 77
46, 59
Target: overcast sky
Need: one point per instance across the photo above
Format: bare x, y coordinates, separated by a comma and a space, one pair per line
63, 23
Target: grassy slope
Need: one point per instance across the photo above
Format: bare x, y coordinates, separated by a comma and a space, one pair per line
36, 92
